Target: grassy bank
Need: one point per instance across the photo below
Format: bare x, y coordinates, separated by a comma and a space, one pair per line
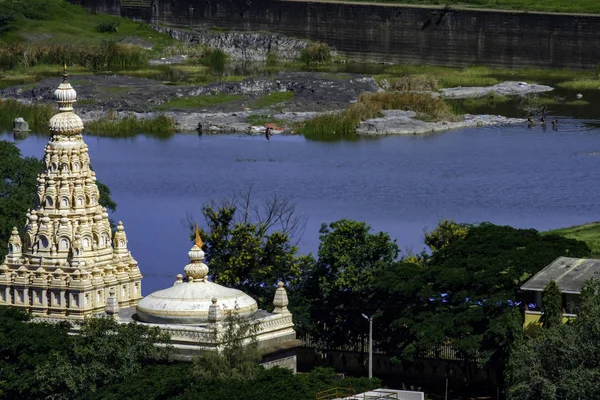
425, 77
579, 6
56, 22
161, 126
369, 105
589, 233
36, 115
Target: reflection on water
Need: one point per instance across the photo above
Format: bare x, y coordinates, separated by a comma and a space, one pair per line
402, 185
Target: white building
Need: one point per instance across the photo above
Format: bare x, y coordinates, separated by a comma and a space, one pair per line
67, 261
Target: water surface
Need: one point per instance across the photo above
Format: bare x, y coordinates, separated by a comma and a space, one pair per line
402, 185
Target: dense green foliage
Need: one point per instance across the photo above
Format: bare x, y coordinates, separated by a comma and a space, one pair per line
560, 362
18, 179
341, 284
551, 306
176, 381
39, 360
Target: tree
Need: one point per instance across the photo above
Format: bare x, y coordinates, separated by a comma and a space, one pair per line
466, 292
341, 284
446, 233
239, 356
18, 180
561, 362
251, 248
103, 352
551, 306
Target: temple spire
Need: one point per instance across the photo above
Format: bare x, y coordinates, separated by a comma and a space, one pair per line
198, 239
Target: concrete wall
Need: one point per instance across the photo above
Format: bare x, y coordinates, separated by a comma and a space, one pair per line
389, 33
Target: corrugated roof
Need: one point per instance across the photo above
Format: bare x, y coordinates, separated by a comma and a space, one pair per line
569, 274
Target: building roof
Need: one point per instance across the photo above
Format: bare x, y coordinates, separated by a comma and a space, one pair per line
569, 274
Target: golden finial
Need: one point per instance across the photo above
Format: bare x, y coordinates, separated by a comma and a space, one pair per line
65, 74
198, 240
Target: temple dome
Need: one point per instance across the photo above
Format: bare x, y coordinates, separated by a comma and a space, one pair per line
187, 303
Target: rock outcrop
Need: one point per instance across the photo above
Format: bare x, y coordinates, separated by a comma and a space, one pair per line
242, 46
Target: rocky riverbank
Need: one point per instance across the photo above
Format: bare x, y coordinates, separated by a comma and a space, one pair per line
248, 105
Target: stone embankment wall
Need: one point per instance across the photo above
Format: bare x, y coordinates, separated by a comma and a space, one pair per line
391, 33
246, 46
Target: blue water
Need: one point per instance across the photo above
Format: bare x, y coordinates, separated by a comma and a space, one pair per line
401, 185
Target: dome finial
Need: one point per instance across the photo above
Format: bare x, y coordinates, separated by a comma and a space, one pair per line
65, 73
198, 239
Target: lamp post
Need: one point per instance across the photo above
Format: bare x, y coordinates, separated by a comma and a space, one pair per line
370, 345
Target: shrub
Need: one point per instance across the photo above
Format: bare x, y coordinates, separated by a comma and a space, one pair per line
416, 82
316, 54
215, 60
107, 27
272, 58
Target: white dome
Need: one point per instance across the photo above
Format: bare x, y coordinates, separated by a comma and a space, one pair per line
65, 123
187, 303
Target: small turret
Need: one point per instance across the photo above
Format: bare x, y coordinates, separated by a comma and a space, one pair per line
14, 246
214, 311
280, 301
120, 241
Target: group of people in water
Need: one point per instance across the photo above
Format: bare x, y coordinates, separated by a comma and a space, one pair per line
542, 121
199, 129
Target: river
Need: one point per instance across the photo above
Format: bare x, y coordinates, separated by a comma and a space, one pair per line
401, 185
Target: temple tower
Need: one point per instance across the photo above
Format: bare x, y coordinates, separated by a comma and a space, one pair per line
67, 262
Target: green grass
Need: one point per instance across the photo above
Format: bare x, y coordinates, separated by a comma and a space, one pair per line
32, 75
110, 126
578, 6
589, 233
582, 84
198, 102
36, 115
342, 125
484, 76
271, 99
58, 21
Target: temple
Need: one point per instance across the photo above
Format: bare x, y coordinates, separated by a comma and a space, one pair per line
194, 312
67, 263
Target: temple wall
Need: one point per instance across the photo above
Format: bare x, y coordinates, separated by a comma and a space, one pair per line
391, 33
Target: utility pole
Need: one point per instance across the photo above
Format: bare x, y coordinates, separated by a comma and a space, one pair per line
370, 345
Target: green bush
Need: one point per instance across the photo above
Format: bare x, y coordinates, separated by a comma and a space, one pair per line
216, 59
107, 27
272, 58
316, 54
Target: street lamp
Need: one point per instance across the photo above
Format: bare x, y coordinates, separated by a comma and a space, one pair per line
370, 344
